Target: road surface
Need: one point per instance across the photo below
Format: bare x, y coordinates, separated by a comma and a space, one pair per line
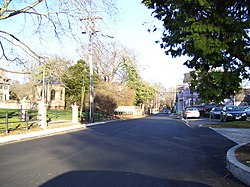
148, 152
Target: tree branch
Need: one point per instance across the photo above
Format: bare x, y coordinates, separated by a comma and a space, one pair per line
15, 12
24, 47
16, 72
4, 7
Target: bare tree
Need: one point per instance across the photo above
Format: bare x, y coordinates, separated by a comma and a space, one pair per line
109, 61
25, 91
170, 95
55, 68
29, 27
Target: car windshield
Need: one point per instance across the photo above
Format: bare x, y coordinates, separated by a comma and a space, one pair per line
234, 108
191, 109
217, 108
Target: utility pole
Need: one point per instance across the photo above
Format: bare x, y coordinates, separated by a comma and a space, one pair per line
90, 31
82, 96
42, 106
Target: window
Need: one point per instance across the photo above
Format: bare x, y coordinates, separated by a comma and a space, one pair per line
52, 95
61, 95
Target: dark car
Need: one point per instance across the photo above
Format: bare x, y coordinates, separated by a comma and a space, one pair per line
215, 112
247, 110
231, 113
207, 109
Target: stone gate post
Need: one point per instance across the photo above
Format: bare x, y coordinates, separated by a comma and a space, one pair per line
75, 113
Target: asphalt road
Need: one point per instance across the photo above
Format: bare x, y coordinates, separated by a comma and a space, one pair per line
147, 152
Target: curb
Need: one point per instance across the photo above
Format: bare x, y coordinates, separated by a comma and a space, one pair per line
37, 134
99, 123
239, 170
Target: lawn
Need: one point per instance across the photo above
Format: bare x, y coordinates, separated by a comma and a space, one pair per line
231, 124
15, 123
14, 118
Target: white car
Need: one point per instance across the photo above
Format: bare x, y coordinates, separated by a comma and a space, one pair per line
191, 112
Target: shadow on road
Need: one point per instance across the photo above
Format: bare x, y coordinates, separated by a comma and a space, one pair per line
113, 178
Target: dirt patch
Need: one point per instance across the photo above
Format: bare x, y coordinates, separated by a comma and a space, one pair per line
243, 154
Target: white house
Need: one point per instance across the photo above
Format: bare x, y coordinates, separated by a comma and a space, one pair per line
4, 87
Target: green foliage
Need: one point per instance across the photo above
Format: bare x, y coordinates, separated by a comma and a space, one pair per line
231, 124
75, 78
60, 114
14, 117
143, 91
215, 86
214, 34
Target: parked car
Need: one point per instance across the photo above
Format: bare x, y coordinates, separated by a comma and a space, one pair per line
215, 112
166, 111
191, 112
201, 109
207, 109
247, 110
231, 113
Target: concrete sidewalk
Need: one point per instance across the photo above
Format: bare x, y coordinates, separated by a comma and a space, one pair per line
238, 135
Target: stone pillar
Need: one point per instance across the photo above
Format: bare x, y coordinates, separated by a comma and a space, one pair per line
74, 113
42, 112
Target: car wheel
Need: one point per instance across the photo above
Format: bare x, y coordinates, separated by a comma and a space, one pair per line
225, 119
221, 119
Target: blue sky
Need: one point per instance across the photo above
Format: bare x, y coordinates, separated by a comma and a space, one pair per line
154, 65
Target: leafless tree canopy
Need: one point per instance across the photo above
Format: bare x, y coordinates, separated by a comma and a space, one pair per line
29, 27
110, 59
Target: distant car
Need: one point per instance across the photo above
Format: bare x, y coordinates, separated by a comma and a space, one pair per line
247, 110
166, 111
215, 112
201, 109
191, 112
231, 113
207, 109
